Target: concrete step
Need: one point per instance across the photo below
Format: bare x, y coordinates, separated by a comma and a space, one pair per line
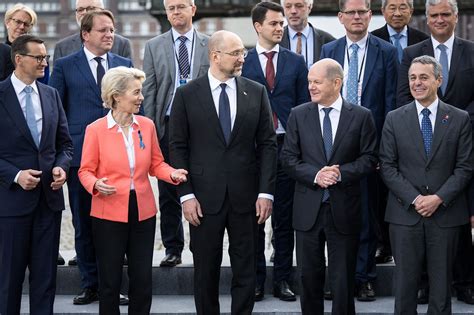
184, 305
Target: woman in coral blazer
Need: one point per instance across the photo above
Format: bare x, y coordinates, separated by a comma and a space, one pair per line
119, 152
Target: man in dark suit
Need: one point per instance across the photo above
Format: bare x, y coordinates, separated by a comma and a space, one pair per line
458, 90
77, 77
327, 194
221, 129
6, 65
73, 43
397, 14
300, 36
166, 69
34, 159
425, 157
284, 74
370, 75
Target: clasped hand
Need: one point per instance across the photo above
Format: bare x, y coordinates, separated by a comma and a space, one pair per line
328, 176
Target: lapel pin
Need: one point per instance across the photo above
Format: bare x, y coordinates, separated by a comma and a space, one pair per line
245, 93
445, 119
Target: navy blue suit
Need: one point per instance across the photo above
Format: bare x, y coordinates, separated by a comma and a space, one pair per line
82, 103
30, 220
378, 95
290, 89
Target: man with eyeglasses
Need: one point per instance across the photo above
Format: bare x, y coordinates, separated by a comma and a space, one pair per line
34, 158
78, 77
299, 35
172, 59
370, 79
221, 129
73, 42
284, 74
456, 56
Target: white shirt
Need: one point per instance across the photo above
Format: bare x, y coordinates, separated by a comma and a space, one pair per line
307, 43
93, 64
403, 39
128, 140
361, 57
449, 51
433, 107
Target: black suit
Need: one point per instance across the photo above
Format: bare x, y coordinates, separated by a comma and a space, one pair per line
6, 64
226, 180
303, 156
414, 36
409, 172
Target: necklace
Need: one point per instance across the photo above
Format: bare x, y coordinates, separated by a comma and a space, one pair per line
125, 126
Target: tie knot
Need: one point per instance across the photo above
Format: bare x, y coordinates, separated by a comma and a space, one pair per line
327, 110
98, 59
28, 89
299, 34
397, 35
269, 54
426, 112
183, 39
442, 47
223, 86
355, 47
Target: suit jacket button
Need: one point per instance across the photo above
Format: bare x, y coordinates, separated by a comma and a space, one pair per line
427, 169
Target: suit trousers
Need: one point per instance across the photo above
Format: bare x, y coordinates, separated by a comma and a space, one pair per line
171, 224
207, 246
410, 246
342, 250
80, 202
112, 241
29, 241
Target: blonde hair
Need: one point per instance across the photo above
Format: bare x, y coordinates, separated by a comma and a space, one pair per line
116, 82
21, 7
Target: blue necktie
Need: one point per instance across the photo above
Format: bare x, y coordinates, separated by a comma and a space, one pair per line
30, 115
398, 46
426, 130
327, 139
443, 60
224, 112
100, 71
352, 80
183, 59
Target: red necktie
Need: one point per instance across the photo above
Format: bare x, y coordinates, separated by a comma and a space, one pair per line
270, 76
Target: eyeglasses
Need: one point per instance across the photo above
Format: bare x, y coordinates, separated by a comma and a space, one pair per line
179, 7
87, 9
352, 13
20, 23
235, 53
39, 59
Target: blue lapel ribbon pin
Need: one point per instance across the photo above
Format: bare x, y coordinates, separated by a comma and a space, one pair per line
445, 119
142, 145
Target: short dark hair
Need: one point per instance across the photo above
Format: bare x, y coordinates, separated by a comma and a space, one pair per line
428, 60
20, 45
260, 10
88, 20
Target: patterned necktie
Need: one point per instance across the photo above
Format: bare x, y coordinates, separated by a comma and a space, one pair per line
224, 112
100, 71
299, 43
270, 77
30, 115
443, 60
327, 139
426, 130
183, 59
398, 46
352, 80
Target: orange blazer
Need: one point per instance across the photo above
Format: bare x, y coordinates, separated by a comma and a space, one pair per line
104, 155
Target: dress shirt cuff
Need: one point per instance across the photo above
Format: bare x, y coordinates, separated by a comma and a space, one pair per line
413, 202
16, 177
316, 178
187, 197
266, 196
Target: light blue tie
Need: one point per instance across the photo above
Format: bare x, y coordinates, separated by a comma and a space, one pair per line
398, 46
443, 60
352, 80
30, 115
327, 139
426, 130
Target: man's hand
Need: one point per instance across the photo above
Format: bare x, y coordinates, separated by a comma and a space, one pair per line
263, 208
59, 178
29, 179
427, 205
103, 188
328, 176
179, 176
192, 211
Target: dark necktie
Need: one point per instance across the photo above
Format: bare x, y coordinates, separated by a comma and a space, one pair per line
270, 77
398, 46
183, 59
426, 130
443, 60
100, 71
299, 43
352, 79
327, 139
224, 113
30, 115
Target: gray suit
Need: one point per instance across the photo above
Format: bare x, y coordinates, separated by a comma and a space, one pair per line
409, 172
73, 43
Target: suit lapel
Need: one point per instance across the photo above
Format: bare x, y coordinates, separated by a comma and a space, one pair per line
46, 107
243, 104
412, 123
441, 125
340, 50
315, 128
170, 55
200, 50
370, 60
82, 65
254, 64
345, 120
280, 66
316, 43
456, 56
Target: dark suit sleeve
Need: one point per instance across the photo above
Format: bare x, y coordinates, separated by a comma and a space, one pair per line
58, 82
302, 93
403, 89
64, 148
126, 49
391, 80
388, 154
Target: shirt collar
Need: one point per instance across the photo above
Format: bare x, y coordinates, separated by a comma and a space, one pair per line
305, 31
360, 43
90, 56
337, 105
19, 86
392, 32
449, 43
260, 50
189, 34
433, 107
215, 83
112, 123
